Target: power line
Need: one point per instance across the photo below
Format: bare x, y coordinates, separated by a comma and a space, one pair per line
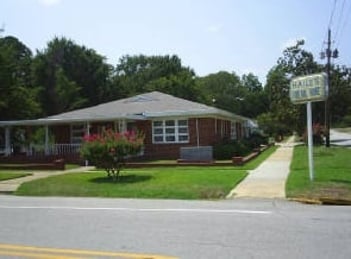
340, 19
344, 25
328, 27
332, 14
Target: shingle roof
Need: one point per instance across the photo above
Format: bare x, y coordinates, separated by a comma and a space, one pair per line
144, 106
148, 105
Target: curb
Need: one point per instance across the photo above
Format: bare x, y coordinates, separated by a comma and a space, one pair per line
306, 201
321, 201
329, 201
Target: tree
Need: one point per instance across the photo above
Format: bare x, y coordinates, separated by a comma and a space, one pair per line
80, 68
19, 96
67, 93
227, 91
255, 100
295, 62
110, 149
223, 90
282, 113
254, 104
251, 83
340, 93
138, 74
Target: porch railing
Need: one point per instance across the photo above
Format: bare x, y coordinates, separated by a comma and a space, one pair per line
54, 149
61, 150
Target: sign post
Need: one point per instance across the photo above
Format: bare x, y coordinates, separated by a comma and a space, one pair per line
310, 140
308, 89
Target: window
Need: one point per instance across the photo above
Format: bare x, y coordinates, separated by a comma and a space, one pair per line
170, 131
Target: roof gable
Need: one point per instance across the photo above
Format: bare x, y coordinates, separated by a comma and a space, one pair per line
143, 106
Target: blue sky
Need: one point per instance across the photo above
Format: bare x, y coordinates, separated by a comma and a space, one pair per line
232, 35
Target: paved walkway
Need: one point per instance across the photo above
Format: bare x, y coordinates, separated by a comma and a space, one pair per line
11, 185
268, 179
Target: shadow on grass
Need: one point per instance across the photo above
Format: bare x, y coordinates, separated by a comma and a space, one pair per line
322, 153
341, 181
339, 140
122, 179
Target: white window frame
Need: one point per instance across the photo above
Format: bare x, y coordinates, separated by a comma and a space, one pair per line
165, 129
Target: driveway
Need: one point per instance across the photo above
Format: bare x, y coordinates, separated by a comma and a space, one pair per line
340, 138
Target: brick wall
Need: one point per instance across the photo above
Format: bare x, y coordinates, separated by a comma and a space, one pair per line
208, 136
211, 131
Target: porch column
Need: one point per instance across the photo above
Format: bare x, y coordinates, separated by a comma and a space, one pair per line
46, 140
87, 130
122, 125
7, 141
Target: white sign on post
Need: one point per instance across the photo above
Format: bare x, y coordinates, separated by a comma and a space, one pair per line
311, 88
307, 89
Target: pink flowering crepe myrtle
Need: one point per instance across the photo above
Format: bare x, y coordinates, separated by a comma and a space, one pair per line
110, 149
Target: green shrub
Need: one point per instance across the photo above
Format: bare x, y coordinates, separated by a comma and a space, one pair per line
346, 121
256, 140
228, 149
110, 149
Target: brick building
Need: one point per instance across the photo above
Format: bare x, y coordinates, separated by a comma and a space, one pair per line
169, 124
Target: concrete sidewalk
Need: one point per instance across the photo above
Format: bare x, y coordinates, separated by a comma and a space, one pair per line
10, 186
268, 179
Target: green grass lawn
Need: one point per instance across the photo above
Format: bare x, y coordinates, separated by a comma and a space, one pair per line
7, 175
332, 174
178, 182
175, 183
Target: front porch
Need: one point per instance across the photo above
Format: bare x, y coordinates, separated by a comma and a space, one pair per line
32, 140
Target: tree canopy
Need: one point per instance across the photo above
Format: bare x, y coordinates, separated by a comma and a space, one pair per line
16, 88
65, 76
139, 74
285, 116
71, 76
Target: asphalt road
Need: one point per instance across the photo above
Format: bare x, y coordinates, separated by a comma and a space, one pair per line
238, 228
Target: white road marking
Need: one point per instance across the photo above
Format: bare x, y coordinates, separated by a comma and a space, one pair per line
223, 211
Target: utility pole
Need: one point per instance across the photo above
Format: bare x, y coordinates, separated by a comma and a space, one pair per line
327, 119
329, 54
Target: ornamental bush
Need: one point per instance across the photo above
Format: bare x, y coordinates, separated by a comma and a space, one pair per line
110, 149
229, 148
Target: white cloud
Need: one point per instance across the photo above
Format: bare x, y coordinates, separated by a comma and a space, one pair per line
49, 2
291, 42
214, 28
